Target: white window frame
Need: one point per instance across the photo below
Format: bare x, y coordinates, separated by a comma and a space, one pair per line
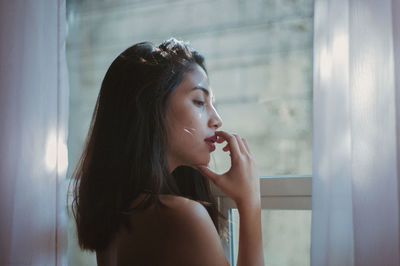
292, 192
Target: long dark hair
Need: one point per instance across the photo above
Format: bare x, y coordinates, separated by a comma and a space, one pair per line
124, 153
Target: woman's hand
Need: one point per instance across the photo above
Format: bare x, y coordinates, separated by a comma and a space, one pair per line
241, 182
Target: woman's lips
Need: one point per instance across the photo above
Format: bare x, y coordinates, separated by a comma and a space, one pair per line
211, 145
210, 141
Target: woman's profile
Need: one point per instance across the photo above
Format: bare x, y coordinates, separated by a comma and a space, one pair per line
142, 187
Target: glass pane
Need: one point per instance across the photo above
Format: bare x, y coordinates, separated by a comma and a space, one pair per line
286, 236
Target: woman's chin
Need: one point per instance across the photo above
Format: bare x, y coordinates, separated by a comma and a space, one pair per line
204, 161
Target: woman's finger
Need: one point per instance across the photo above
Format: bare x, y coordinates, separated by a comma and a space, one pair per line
226, 148
246, 145
240, 143
220, 139
232, 142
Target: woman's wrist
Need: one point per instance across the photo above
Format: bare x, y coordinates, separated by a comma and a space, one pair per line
249, 205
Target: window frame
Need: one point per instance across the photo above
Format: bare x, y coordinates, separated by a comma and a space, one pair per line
289, 192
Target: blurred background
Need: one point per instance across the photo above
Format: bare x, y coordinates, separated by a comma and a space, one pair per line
259, 59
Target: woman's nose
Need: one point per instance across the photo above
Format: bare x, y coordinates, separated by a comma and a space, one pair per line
215, 119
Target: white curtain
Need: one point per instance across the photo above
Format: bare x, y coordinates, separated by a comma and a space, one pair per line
355, 193
33, 125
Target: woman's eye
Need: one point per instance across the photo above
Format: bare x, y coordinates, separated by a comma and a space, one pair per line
199, 103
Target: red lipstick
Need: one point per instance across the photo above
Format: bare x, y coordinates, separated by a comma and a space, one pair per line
210, 141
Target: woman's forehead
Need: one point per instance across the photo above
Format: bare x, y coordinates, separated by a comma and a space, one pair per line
197, 79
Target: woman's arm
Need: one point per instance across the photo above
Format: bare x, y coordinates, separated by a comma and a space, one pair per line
250, 238
242, 184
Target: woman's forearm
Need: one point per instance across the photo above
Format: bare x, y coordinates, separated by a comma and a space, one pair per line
242, 184
250, 237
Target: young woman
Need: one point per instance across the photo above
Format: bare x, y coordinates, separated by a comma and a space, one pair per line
142, 193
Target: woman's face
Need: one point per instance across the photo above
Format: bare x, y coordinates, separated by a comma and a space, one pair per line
190, 119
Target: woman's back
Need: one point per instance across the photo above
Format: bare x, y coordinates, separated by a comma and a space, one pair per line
182, 233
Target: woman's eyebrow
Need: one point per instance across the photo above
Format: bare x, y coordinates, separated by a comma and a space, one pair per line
207, 92
203, 89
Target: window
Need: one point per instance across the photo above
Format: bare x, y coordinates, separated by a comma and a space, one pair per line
259, 58
286, 220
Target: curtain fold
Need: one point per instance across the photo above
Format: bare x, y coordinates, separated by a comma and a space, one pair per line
355, 133
33, 127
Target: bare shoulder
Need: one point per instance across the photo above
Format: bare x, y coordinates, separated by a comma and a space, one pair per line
196, 240
180, 234
189, 214
184, 206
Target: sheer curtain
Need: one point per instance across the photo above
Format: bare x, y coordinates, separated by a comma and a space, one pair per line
356, 133
33, 125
